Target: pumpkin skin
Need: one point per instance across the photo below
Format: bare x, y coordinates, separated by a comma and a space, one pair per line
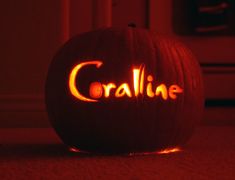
123, 125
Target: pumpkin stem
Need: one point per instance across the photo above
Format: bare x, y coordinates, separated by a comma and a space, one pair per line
133, 25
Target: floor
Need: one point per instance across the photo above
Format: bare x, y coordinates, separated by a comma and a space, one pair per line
39, 154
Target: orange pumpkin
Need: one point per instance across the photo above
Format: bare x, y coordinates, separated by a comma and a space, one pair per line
124, 90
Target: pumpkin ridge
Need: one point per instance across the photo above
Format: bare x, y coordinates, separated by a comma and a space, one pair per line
177, 109
181, 59
192, 94
129, 123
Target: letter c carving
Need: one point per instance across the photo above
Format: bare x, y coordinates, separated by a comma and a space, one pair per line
72, 80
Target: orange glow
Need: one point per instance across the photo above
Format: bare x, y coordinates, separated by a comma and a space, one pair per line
163, 90
96, 90
138, 86
107, 89
174, 89
76, 150
72, 80
169, 150
123, 90
72, 149
149, 88
136, 76
138, 80
142, 81
164, 151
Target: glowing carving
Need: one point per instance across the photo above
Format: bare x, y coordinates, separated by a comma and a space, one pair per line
123, 90
136, 75
162, 89
98, 90
72, 80
142, 81
138, 80
107, 89
149, 88
173, 90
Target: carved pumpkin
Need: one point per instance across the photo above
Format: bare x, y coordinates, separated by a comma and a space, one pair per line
124, 90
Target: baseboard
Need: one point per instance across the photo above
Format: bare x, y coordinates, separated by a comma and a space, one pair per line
23, 110
21, 102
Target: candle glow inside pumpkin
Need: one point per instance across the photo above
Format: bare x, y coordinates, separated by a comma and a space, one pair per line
98, 90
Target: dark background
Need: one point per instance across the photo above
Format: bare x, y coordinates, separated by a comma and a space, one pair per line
32, 31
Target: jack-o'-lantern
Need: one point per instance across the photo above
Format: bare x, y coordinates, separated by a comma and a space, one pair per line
121, 90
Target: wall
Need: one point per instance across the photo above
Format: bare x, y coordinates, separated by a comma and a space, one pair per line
32, 31
217, 58
131, 11
30, 34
